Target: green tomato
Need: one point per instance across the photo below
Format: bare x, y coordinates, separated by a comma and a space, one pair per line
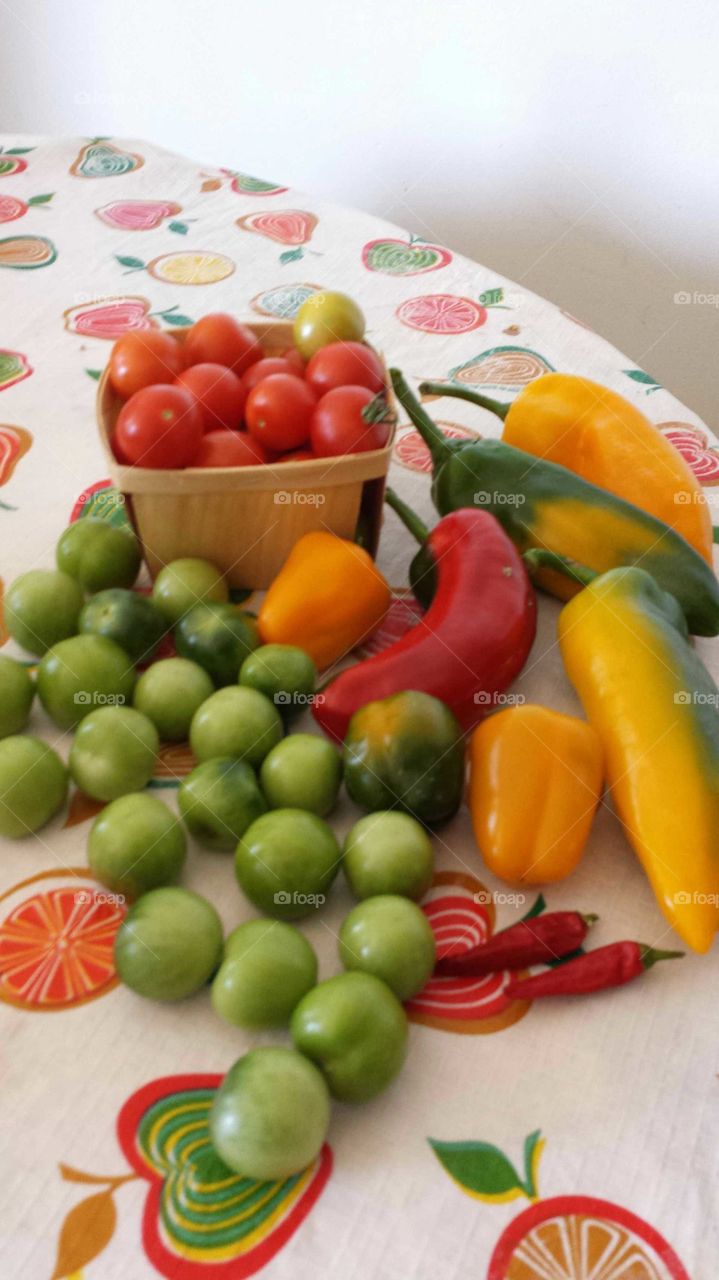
302, 772
169, 944
114, 752
136, 844
184, 583
81, 673
42, 607
33, 785
286, 862
270, 1115
327, 317
17, 691
99, 555
286, 675
218, 637
126, 617
219, 800
268, 967
390, 937
235, 722
388, 852
169, 693
355, 1029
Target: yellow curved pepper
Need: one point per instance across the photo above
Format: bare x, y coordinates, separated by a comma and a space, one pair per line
328, 596
602, 437
534, 785
654, 706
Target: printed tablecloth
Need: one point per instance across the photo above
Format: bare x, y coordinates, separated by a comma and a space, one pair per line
571, 1141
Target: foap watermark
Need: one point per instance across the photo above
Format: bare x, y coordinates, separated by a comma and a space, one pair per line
498, 498
696, 698
484, 698
686, 497
695, 298
100, 498
283, 898
299, 498
86, 898
685, 899
284, 699
91, 698
488, 898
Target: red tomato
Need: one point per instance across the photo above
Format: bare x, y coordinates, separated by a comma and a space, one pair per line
159, 427
344, 364
297, 455
263, 369
338, 425
139, 359
229, 449
220, 339
219, 394
278, 411
293, 358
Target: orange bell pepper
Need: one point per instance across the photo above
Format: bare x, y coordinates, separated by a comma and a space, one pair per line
534, 785
328, 596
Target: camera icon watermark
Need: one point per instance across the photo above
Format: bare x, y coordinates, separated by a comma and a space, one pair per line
685, 298
687, 497
283, 898
685, 899
498, 498
696, 698
299, 498
488, 898
87, 897
483, 698
91, 698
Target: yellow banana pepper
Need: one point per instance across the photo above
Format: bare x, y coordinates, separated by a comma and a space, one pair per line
535, 783
654, 706
328, 596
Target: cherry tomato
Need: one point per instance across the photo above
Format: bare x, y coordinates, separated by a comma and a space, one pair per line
279, 410
293, 358
159, 427
338, 425
220, 339
140, 359
229, 449
327, 317
219, 394
263, 369
343, 364
297, 455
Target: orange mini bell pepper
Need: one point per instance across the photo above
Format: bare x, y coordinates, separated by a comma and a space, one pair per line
328, 596
534, 785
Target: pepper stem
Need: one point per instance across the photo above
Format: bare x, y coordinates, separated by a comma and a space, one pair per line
650, 956
589, 919
435, 440
409, 518
497, 407
540, 558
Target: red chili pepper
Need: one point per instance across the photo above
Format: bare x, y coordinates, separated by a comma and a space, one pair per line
471, 643
609, 966
535, 941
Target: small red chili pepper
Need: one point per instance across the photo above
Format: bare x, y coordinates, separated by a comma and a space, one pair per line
535, 941
472, 642
609, 966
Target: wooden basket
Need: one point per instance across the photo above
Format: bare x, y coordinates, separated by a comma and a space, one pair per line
246, 519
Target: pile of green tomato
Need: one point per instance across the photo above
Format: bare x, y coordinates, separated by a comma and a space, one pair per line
258, 790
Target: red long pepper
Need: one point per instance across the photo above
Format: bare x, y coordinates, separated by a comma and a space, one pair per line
471, 643
535, 941
609, 966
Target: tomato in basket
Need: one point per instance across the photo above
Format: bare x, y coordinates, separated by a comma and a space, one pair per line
229, 449
338, 425
158, 427
139, 359
279, 410
220, 339
264, 368
219, 393
343, 364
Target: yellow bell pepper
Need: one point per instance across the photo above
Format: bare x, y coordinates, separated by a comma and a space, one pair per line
328, 596
535, 783
654, 706
602, 437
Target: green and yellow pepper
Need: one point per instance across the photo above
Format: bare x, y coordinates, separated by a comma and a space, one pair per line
654, 706
542, 505
328, 596
406, 752
535, 779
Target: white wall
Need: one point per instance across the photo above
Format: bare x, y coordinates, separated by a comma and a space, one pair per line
572, 146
